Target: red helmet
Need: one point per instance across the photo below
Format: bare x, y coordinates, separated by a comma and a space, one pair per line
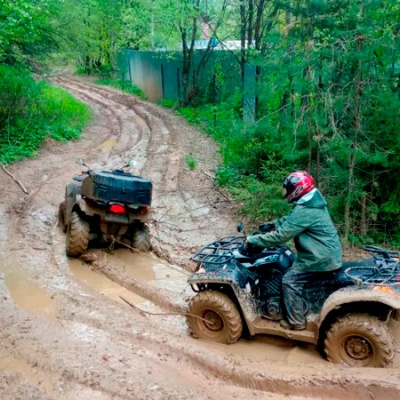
297, 184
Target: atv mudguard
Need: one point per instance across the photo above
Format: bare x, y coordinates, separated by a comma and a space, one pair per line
240, 281
350, 296
72, 192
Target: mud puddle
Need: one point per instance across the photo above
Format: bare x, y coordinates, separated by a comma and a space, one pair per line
29, 296
108, 144
94, 279
34, 376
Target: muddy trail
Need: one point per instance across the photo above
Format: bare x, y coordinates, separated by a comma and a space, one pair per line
67, 330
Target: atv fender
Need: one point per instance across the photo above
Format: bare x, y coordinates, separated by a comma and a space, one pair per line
241, 284
72, 193
349, 296
83, 207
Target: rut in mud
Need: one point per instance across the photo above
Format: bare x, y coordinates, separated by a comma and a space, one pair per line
67, 329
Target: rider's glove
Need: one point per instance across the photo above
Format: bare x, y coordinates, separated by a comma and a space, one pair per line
267, 227
251, 248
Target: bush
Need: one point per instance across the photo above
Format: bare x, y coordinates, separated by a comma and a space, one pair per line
251, 170
33, 111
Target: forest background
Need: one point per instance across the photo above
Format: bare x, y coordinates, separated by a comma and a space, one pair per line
327, 93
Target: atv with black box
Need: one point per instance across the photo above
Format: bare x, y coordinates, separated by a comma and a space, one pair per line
107, 206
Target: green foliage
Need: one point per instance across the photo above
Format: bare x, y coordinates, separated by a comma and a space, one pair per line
250, 171
191, 162
124, 85
28, 30
261, 201
167, 103
33, 111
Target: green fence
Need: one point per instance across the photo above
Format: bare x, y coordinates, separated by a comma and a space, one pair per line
159, 75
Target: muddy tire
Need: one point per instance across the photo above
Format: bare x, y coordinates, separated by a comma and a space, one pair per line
219, 320
71, 191
360, 340
77, 236
61, 217
141, 238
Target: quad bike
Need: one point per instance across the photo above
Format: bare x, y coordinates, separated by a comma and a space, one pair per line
106, 206
351, 312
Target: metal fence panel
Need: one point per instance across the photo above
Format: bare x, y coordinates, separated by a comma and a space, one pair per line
144, 71
159, 74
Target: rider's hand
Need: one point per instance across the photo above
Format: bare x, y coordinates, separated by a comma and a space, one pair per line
267, 227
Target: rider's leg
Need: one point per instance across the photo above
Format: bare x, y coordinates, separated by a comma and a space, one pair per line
292, 287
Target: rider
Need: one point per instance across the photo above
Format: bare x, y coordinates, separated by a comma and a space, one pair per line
315, 238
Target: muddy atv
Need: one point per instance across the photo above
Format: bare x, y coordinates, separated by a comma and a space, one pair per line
351, 312
106, 206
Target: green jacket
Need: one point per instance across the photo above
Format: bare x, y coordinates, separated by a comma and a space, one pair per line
315, 237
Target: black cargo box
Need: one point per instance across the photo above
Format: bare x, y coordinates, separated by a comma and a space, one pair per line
117, 186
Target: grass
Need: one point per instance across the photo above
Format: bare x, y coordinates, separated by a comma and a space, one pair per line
32, 111
191, 162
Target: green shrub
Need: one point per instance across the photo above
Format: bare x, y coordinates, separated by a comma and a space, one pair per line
33, 111
191, 162
167, 103
252, 169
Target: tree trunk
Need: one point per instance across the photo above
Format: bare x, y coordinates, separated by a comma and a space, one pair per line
350, 189
242, 36
250, 24
363, 226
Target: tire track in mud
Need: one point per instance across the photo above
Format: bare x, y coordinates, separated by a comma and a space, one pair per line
124, 134
80, 92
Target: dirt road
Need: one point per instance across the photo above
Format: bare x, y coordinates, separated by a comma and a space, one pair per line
66, 332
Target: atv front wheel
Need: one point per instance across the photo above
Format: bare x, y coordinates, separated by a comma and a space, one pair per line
360, 340
141, 238
77, 240
213, 315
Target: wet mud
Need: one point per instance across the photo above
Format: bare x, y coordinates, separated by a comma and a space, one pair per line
112, 326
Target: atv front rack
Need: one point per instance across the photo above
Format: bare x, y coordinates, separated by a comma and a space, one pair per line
220, 251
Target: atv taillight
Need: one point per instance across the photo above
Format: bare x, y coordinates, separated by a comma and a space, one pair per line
117, 209
144, 210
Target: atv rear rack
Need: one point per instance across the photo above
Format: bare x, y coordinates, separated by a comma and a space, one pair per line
386, 270
383, 254
220, 251
384, 274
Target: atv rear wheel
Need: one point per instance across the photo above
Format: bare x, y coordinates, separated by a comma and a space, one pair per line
141, 238
77, 240
360, 340
214, 316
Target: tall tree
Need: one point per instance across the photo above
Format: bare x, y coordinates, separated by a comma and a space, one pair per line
28, 30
